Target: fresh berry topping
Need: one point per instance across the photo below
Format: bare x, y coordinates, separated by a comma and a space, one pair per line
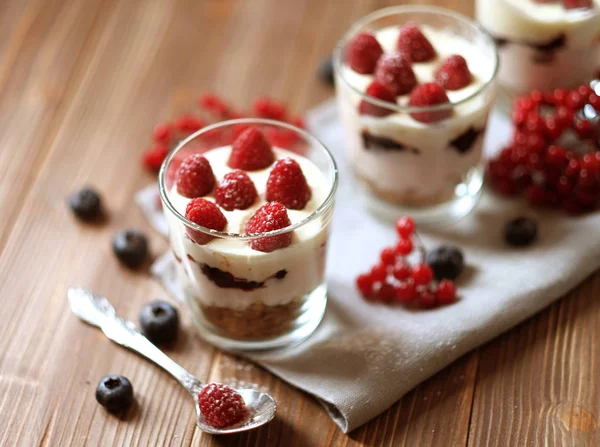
413, 44
235, 191
446, 262
189, 124
454, 73
404, 247
131, 247
159, 322
520, 232
269, 217
379, 272
325, 71
422, 274
575, 4
364, 283
405, 227
426, 299
114, 393
401, 271
206, 214
388, 256
195, 177
251, 151
363, 52
429, 94
269, 108
153, 158
379, 91
445, 292
385, 293
406, 291
86, 204
221, 406
287, 185
162, 133
395, 71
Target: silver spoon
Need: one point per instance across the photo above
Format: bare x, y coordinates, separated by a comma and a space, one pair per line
97, 311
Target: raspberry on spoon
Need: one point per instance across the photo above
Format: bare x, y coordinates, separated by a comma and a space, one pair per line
413, 44
221, 405
429, 94
287, 185
206, 214
251, 151
269, 217
454, 73
362, 53
395, 71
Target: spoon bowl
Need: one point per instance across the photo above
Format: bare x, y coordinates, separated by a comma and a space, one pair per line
97, 311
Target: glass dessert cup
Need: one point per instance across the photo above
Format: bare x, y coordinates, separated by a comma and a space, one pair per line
239, 298
542, 45
430, 171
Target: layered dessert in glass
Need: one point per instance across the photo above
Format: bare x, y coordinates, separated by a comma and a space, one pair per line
543, 44
248, 227
415, 86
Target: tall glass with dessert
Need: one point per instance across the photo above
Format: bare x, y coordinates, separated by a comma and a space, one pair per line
248, 226
415, 86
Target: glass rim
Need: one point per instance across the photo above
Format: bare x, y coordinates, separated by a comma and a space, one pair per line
314, 141
434, 10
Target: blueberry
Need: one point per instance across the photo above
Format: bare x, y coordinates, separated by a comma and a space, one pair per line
131, 247
446, 261
86, 204
159, 321
325, 70
520, 232
114, 393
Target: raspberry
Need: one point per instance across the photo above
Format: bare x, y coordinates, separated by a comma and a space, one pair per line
574, 4
401, 271
388, 256
445, 292
251, 151
404, 247
379, 91
287, 185
414, 45
162, 133
406, 292
221, 406
405, 227
154, 157
269, 217
379, 272
235, 191
195, 177
206, 214
422, 274
269, 108
363, 52
454, 73
213, 103
394, 71
189, 124
429, 94
364, 283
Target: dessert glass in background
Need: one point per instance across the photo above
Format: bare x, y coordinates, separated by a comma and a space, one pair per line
241, 298
410, 158
543, 44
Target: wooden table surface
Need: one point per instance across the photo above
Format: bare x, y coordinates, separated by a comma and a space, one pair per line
81, 85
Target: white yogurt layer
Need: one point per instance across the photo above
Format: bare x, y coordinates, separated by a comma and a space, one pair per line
525, 23
430, 176
303, 260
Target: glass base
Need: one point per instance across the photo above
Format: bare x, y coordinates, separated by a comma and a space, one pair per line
465, 198
311, 315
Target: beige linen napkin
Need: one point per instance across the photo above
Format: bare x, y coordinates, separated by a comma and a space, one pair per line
365, 356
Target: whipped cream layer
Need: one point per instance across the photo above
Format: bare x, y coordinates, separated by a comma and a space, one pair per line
303, 261
542, 45
430, 175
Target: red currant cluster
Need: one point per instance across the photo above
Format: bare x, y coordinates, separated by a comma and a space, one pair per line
213, 109
554, 158
394, 279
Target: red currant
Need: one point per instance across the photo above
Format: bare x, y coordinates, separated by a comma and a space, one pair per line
556, 156
388, 256
427, 299
364, 283
535, 123
404, 247
386, 292
445, 292
585, 129
406, 291
401, 271
422, 274
379, 272
564, 116
559, 96
574, 100
535, 195
405, 227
